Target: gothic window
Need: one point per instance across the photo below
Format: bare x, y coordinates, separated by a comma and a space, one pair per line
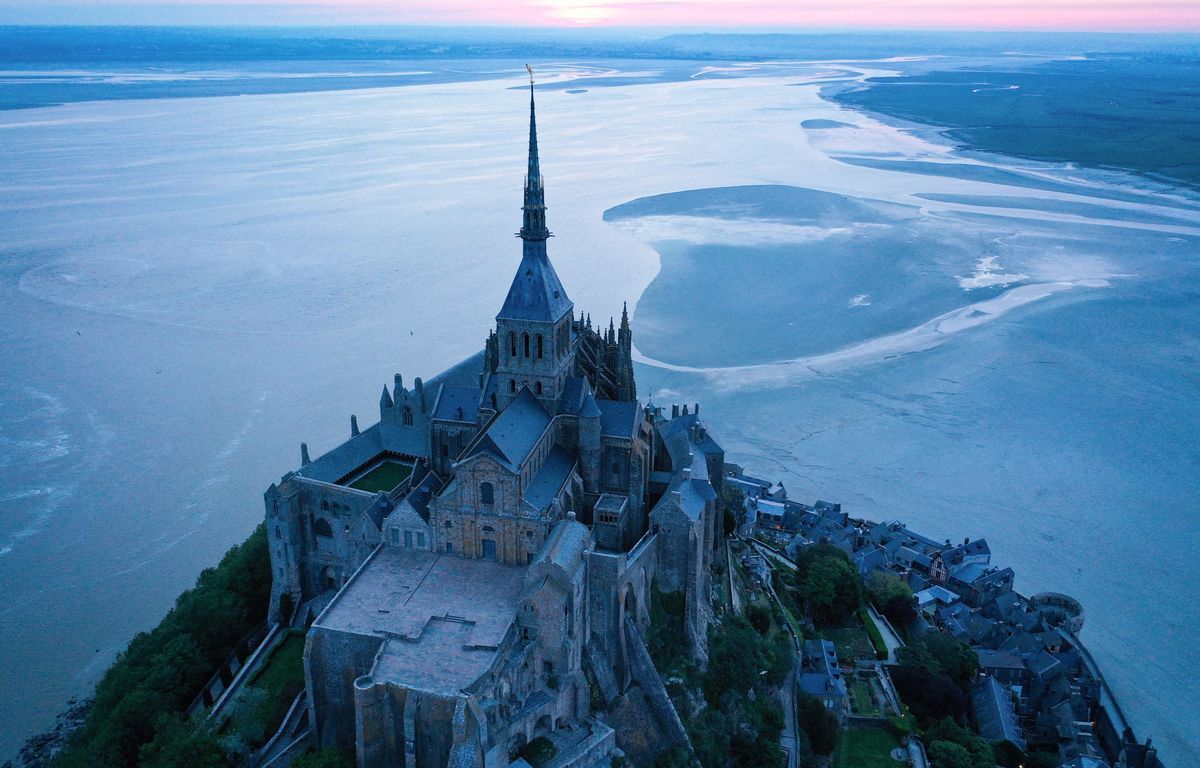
278, 535
525, 338
408, 416
486, 493
322, 528
539, 346
512, 343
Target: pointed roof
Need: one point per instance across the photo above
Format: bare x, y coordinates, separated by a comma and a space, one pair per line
511, 435
589, 409
536, 292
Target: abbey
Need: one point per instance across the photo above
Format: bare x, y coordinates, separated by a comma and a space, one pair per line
475, 569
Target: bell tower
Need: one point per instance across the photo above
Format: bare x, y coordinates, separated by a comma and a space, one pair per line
533, 329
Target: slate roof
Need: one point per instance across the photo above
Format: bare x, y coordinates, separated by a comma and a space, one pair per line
565, 545
550, 478
457, 404
536, 292
360, 450
589, 409
821, 677
989, 659
994, 713
617, 418
510, 436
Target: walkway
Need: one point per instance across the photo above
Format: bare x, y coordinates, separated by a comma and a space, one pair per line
890, 638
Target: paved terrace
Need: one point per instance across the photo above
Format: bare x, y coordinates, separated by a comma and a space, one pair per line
445, 616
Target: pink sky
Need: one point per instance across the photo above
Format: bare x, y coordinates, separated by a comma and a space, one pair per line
756, 15
1114, 15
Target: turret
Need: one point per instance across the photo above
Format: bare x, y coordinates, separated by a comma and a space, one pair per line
385, 400
589, 444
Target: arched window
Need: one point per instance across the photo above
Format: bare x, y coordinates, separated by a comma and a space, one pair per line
278, 535
538, 386
512, 386
512, 343
323, 528
407, 416
539, 346
488, 529
525, 338
487, 494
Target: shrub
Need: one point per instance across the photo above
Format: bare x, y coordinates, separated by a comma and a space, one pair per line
881, 651
818, 723
539, 751
930, 695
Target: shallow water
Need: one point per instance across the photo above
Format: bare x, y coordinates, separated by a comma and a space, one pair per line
191, 287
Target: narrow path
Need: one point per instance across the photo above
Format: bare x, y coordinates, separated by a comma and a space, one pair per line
890, 638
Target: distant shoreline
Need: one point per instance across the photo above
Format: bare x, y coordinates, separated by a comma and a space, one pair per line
1029, 119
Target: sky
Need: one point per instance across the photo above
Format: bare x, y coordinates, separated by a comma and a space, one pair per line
756, 15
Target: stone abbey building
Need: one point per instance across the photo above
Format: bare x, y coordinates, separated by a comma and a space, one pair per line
475, 569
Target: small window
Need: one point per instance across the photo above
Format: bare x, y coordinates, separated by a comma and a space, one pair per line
525, 339
420, 540
449, 548
488, 529
396, 537
512, 343
325, 505
408, 539
512, 386
449, 524
278, 535
487, 494
539, 346
538, 386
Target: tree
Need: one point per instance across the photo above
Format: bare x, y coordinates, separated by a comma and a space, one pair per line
710, 738
818, 723
930, 695
179, 743
829, 584
892, 597
943, 654
329, 757
1007, 754
947, 754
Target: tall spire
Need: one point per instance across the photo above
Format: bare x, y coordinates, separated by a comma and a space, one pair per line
533, 224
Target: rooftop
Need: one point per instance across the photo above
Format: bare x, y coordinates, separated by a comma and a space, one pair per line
444, 616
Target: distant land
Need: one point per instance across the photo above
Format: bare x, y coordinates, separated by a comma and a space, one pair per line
1131, 111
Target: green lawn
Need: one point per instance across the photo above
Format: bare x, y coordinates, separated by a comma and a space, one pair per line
862, 701
865, 748
384, 477
852, 642
281, 677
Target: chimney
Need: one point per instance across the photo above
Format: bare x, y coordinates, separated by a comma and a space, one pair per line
420, 385
697, 408
674, 410
353, 425
685, 413
304, 460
